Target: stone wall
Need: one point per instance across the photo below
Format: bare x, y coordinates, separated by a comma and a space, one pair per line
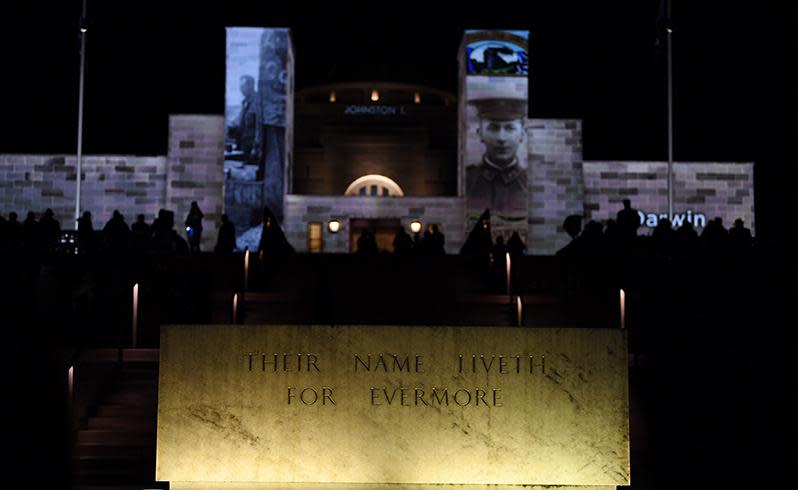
195, 169
132, 184
300, 210
724, 190
555, 181
560, 184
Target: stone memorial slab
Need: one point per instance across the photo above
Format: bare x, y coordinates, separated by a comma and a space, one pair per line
366, 406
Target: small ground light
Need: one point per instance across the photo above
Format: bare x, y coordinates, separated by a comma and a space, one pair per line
375, 96
246, 268
332, 96
135, 321
334, 226
415, 226
623, 308
71, 381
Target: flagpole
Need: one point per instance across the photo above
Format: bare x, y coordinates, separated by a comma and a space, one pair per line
669, 32
79, 166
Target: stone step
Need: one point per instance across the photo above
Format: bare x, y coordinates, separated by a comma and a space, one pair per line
146, 398
137, 383
126, 410
102, 482
99, 451
128, 424
116, 468
115, 438
140, 374
128, 355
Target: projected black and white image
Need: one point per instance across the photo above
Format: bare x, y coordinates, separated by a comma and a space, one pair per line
498, 181
495, 165
257, 93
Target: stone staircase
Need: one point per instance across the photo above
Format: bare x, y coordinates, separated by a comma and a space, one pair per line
115, 444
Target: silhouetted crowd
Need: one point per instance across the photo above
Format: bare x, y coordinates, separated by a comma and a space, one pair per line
116, 236
593, 240
620, 235
429, 244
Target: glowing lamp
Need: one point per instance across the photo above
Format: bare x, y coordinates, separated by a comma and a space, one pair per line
334, 226
375, 96
415, 226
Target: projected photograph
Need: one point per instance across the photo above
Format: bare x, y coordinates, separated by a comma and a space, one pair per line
256, 95
496, 175
496, 57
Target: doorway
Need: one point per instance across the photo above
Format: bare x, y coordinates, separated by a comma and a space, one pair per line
384, 230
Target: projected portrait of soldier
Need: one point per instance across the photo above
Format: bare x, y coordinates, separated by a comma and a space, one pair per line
498, 181
246, 131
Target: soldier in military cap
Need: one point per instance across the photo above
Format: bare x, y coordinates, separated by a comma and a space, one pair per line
498, 182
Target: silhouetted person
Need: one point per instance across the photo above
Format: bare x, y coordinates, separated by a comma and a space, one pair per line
49, 230
85, 233
715, 237
4, 239
116, 232
366, 244
685, 240
628, 220
140, 226
13, 230
226, 240
573, 227
402, 243
662, 237
437, 243
612, 235
498, 250
740, 239
432, 243
478, 244
194, 227
273, 243
164, 238
417, 242
30, 231
591, 241
140, 234
499, 264
516, 246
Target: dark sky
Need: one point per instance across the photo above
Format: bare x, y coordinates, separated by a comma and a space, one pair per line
593, 60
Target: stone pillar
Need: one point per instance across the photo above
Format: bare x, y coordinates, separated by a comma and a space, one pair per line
195, 172
556, 184
493, 100
259, 111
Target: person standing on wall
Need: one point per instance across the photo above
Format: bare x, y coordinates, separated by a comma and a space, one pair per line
194, 227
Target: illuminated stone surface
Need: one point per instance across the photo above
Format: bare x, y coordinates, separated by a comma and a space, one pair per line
223, 418
366, 486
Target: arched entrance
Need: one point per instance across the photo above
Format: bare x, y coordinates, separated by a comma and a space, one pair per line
374, 185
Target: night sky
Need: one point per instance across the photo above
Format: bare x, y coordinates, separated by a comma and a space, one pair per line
591, 60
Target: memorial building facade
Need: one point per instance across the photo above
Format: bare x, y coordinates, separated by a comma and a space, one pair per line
378, 156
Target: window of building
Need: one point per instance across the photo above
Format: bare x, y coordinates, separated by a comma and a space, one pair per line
315, 238
374, 185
